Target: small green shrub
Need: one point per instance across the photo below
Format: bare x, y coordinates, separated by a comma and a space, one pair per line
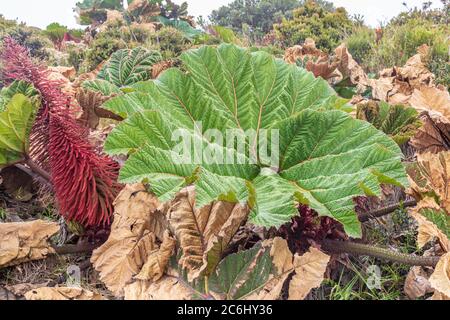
400, 42
103, 46
170, 42
327, 28
31, 38
361, 43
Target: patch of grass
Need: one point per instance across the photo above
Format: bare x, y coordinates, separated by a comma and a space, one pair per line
353, 278
2, 214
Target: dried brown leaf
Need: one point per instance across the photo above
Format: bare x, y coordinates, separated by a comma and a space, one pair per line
168, 288
203, 233
435, 168
440, 279
431, 99
160, 67
349, 68
434, 135
62, 293
157, 260
309, 273
428, 231
417, 284
131, 239
25, 241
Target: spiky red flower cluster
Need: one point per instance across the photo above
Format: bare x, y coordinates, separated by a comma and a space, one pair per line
84, 181
308, 228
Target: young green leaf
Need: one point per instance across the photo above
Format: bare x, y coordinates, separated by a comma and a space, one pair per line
15, 125
126, 67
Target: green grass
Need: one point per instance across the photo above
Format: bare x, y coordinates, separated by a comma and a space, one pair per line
351, 281
2, 214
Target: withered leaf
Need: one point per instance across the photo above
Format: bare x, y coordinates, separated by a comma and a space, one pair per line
203, 233
434, 135
440, 279
157, 260
428, 231
62, 293
416, 283
25, 241
309, 273
131, 240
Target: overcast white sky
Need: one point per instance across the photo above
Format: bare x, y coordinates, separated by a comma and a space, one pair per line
40, 13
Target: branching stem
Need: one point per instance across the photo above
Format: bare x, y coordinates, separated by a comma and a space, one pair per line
386, 210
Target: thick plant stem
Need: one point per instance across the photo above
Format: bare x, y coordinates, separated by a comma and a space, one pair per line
34, 175
336, 246
75, 249
38, 170
386, 210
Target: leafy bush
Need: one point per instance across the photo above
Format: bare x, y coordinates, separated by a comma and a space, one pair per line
103, 46
170, 42
236, 88
400, 42
361, 43
258, 15
55, 32
327, 28
29, 37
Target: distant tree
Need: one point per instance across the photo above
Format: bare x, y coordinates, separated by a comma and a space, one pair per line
328, 26
56, 32
256, 15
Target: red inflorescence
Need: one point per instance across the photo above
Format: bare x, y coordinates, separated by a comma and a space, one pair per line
84, 181
308, 228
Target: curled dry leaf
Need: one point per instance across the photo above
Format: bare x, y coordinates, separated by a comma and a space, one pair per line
431, 99
62, 293
309, 272
259, 273
428, 231
301, 52
67, 72
416, 283
63, 76
160, 67
433, 175
25, 241
158, 259
203, 233
168, 288
349, 68
131, 240
334, 68
413, 84
440, 279
90, 103
22, 288
434, 135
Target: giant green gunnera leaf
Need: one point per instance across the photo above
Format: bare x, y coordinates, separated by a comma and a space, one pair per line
325, 157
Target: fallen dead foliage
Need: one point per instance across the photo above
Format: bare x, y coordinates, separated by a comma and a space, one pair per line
413, 85
131, 241
25, 241
440, 279
417, 284
432, 175
61, 293
203, 233
434, 135
262, 274
335, 68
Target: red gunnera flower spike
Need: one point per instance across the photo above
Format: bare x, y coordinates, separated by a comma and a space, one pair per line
84, 181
